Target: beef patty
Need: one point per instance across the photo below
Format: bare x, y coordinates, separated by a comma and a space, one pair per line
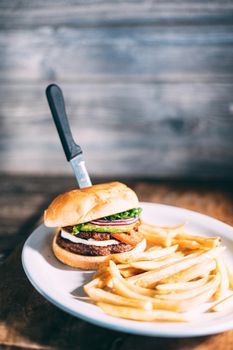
93, 250
98, 236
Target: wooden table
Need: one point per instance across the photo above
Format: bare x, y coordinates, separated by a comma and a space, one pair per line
29, 321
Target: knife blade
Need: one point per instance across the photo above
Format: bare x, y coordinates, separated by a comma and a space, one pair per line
73, 151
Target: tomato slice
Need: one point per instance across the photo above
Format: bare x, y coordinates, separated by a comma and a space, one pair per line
132, 238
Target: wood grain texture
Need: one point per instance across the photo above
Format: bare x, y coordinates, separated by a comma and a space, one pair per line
30, 14
149, 54
130, 129
29, 321
148, 85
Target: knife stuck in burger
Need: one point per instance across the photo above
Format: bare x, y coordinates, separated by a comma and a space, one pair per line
93, 222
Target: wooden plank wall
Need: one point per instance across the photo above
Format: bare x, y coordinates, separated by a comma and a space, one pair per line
148, 86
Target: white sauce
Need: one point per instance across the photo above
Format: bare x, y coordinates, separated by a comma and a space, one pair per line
89, 241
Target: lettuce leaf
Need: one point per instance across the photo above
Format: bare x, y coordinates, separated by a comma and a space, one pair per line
132, 213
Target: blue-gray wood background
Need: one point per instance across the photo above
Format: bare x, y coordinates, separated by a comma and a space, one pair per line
148, 86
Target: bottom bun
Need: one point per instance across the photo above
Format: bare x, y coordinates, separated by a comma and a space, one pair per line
90, 262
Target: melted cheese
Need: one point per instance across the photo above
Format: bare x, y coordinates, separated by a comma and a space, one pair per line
89, 241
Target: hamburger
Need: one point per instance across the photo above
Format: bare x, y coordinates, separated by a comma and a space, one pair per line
94, 223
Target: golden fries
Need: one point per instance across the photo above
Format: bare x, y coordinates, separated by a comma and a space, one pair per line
141, 315
193, 292
113, 269
224, 283
124, 288
230, 275
167, 236
158, 239
130, 271
153, 265
224, 304
96, 282
188, 244
150, 279
152, 255
198, 270
204, 242
189, 304
177, 273
181, 286
98, 294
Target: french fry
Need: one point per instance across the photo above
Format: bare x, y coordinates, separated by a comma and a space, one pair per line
186, 252
153, 248
151, 278
213, 253
205, 242
230, 275
168, 236
160, 231
189, 304
181, 286
123, 266
130, 271
141, 315
177, 272
144, 291
113, 268
163, 235
100, 295
152, 255
198, 270
169, 241
100, 271
123, 288
157, 239
96, 282
224, 283
187, 244
153, 265
191, 292
224, 304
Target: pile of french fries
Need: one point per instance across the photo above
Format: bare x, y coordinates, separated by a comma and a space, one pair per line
177, 273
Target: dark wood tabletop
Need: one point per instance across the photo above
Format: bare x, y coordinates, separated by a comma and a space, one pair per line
29, 321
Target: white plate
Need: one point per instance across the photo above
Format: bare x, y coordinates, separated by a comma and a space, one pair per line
61, 285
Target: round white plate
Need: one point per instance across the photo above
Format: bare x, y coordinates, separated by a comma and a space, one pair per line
62, 285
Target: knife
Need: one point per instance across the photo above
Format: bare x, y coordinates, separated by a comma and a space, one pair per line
73, 152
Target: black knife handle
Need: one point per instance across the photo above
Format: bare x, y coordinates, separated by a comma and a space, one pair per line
57, 106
